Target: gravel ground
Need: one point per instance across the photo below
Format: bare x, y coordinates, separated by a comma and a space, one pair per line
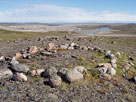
37, 89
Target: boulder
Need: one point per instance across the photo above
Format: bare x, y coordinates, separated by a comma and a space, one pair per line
113, 61
50, 72
62, 72
39, 71
14, 61
74, 75
114, 65
51, 46
18, 55
2, 59
33, 50
105, 76
118, 55
111, 71
126, 67
102, 70
19, 77
108, 52
20, 68
64, 46
5, 73
80, 69
107, 65
133, 79
70, 48
55, 81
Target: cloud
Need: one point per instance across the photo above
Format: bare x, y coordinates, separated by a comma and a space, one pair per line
55, 13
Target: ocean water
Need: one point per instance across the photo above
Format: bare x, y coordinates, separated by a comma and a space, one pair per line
94, 31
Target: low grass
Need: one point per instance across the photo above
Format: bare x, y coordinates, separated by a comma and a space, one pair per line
8, 35
124, 29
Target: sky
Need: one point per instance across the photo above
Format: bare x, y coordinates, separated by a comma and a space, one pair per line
68, 11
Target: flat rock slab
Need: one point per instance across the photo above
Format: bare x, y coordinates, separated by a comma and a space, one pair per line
5, 73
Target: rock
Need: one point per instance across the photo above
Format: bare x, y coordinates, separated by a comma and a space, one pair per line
111, 56
107, 65
102, 70
65, 46
118, 55
19, 77
55, 81
113, 61
131, 58
39, 71
132, 64
70, 48
26, 55
114, 65
50, 72
126, 67
111, 71
32, 72
83, 48
2, 59
18, 55
33, 50
46, 53
133, 79
5, 73
51, 46
108, 52
62, 72
20, 68
73, 44
105, 76
14, 61
80, 69
74, 75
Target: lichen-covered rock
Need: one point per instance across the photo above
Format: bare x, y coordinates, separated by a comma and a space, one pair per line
5, 73
74, 75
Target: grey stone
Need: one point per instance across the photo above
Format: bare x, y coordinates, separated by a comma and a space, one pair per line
5, 73
46, 53
20, 68
2, 59
50, 72
74, 75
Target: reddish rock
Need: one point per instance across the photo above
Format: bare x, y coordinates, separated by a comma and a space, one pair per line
33, 50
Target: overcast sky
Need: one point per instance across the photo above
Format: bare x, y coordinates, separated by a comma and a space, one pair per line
51, 11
